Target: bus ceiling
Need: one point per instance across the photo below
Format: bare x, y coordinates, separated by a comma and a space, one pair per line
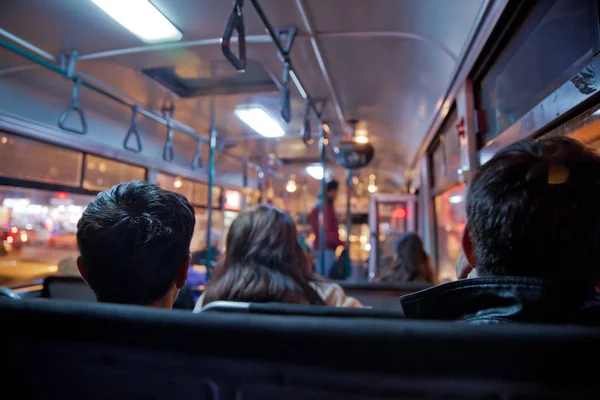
320, 70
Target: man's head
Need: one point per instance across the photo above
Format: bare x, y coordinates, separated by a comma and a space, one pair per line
331, 190
534, 210
134, 244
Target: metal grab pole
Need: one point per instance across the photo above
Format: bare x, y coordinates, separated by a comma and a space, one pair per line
348, 222
211, 178
322, 147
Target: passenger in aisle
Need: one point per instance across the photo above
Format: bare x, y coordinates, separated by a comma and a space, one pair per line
532, 239
264, 262
331, 223
134, 242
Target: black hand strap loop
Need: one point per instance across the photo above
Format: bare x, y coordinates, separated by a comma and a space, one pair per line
235, 23
135, 132
74, 106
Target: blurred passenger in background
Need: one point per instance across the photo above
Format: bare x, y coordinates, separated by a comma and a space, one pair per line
410, 261
134, 243
199, 257
264, 262
332, 237
532, 238
197, 273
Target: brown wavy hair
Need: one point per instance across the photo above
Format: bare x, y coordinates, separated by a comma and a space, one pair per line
263, 261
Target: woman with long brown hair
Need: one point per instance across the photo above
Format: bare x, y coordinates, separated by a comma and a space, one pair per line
264, 262
410, 263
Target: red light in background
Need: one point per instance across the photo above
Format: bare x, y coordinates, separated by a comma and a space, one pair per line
24, 237
10, 239
399, 213
62, 195
14, 229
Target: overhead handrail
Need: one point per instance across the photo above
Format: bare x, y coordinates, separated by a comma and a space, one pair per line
275, 38
114, 97
235, 23
74, 106
168, 149
133, 131
198, 161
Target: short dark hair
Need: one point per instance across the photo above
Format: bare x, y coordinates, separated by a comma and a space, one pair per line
534, 210
133, 239
332, 185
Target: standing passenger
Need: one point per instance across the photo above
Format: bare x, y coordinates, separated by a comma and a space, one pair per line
332, 238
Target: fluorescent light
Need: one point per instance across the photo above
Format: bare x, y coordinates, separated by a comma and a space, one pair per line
142, 19
455, 199
258, 119
316, 171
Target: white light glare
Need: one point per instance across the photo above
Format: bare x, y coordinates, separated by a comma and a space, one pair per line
258, 119
142, 19
455, 199
316, 171
291, 186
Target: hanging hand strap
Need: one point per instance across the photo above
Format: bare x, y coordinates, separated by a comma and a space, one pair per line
198, 162
135, 132
168, 150
306, 133
235, 23
74, 106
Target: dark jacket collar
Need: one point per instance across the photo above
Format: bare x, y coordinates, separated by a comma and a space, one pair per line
493, 300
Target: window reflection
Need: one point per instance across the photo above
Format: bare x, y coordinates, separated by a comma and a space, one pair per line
450, 220
563, 34
101, 173
42, 163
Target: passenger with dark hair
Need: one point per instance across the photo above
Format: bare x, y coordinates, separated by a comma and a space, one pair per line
134, 242
264, 262
532, 237
330, 221
410, 261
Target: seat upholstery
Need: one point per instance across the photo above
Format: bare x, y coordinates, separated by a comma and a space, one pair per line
70, 350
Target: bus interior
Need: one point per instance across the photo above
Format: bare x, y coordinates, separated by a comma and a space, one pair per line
244, 102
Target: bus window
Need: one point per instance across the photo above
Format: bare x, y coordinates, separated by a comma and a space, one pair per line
38, 234
450, 220
101, 173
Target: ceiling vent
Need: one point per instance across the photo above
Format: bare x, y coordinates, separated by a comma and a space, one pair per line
255, 80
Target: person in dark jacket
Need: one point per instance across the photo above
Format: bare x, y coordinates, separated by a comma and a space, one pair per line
330, 221
532, 239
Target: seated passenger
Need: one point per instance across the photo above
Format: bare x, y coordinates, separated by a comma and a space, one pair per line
134, 242
410, 261
532, 236
264, 262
